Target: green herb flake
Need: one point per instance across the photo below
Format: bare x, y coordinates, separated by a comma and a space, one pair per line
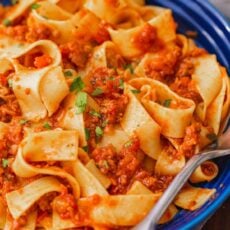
35, 6
85, 148
97, 92
105, 164
47, 126
6, 22
10, 83
23, 122
121, 84
81, 102
94, 113
5, 163
128, 144
135, 91
130, 68
111, 78
104, 123
99, 131
87, 134
14, 2
211, 136
167, 103
77, 85
68, 73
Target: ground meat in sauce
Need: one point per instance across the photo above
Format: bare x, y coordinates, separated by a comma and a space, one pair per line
208, 168
113, 109
65, 205
75, 53
112, 101
106, 159
102, 34
106, 79
146, 38
191, 140
24, 33
163, 65
125, 167
9, 106
183, 83
156, 183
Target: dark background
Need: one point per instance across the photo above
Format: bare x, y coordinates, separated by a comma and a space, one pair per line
221, 219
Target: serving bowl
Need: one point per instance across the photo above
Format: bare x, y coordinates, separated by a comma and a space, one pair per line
214, 35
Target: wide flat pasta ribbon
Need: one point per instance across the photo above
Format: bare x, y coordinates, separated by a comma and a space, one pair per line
115, 210
19, 201
208, 80
72, 120
192, 198
218, 109
162, 21
138, 188
19, 9
172, 121
34, 88
24, 169
207, 171
137, 121
103, 56
106, 10
168, 164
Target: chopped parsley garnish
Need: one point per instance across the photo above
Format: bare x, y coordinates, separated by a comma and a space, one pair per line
6, 22
86, 148
104, 123
121, 84
81, 102
77, 85
211, 136
47, 126
68, 73
87, 134
130, 68
99, 131
10, 83
23, 121
5, 163
94, 113
35, 6
97, 92
135, 91
111, 78
128, 144
167, 103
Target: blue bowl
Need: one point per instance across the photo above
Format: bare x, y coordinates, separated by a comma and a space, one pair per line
214, 35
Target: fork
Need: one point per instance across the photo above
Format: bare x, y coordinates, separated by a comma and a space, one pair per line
219, 148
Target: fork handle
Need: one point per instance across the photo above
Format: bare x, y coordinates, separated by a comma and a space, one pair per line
150, 221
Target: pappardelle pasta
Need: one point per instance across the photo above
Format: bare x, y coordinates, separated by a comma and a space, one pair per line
101, 105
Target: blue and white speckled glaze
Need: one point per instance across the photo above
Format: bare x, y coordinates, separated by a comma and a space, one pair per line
214, 35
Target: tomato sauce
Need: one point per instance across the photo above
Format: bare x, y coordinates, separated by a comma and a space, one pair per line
145, 39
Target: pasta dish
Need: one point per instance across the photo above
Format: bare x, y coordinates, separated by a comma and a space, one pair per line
102, 103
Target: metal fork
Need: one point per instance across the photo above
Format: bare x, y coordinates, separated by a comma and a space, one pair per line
221, 148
